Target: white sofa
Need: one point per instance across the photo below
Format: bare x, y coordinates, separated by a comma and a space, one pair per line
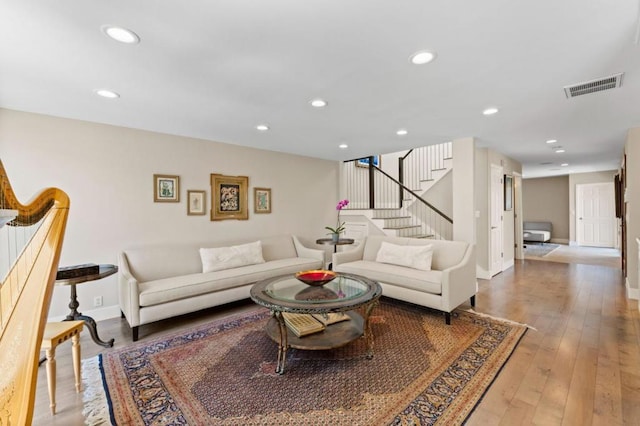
451, 280
160, 282
539, 232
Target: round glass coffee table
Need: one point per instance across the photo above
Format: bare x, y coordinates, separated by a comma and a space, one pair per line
346, 293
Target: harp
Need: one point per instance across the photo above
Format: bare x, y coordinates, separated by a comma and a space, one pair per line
30, 243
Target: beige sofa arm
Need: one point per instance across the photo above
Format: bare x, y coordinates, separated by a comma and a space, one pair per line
459, 282
128, 292
348, 255
307, 252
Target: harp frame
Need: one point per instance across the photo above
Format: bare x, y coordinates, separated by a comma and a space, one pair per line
25, 295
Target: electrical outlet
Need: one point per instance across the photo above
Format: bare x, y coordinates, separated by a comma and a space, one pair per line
97, 301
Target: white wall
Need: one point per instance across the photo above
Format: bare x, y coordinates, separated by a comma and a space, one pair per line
108, 172
632, 199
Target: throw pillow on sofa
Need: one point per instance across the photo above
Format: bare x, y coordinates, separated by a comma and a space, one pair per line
219, 258
416, 257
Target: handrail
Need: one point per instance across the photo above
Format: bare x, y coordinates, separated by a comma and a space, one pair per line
422, 200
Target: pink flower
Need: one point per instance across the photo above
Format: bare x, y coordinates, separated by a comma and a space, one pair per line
342, 204
340, 226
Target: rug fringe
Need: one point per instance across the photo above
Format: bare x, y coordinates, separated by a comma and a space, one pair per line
95, 408
480, 314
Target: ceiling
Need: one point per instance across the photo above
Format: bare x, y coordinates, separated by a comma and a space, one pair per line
214, 69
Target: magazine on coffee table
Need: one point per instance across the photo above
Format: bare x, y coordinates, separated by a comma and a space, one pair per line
305, 324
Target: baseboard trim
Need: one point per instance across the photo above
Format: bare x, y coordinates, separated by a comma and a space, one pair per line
561, 241
482, 273
506, 265
99, 314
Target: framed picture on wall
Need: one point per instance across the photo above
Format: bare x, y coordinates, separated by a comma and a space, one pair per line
196, 202
508, 192
364, 162
262, 200
166, 189
229, 198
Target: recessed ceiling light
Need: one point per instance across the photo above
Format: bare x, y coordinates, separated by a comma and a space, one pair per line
343, 146
122, 35
262, 127
106, 93
401, 132
318, 103
564, 164
560, 150
422, 57
552, 141
490, 111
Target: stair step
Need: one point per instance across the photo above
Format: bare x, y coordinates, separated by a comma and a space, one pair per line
392, 217
402, 227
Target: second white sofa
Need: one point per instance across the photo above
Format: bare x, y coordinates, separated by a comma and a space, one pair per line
156, 283
444, 283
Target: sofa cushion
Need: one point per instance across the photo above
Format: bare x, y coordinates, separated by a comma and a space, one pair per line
373, 243
153, 263
416, 257
427, 281
446, 254
278, 247
219, 258
181, 287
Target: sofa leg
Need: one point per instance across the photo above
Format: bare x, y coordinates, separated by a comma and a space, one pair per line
122, 314
447, 318
473, 301
134, 333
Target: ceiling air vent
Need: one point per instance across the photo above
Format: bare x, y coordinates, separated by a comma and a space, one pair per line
598, 85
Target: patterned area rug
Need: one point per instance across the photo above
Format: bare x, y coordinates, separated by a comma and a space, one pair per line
222, 373
539, 250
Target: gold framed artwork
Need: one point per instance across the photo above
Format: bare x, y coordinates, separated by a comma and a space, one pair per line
229, 198
196, 202
166, 189
262, 200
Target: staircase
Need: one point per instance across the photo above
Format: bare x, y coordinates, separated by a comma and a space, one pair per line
400, 207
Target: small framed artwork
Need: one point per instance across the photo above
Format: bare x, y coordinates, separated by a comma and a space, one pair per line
229, 199
364, 162
262, 200
166, 189
196, 202
508, 192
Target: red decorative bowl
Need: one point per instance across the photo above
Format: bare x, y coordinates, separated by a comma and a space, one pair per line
316, 277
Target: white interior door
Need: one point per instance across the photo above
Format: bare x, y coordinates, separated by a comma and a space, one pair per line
595, 215
496, 209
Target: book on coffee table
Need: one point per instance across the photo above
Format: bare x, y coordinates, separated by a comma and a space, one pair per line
331, 317
302, 324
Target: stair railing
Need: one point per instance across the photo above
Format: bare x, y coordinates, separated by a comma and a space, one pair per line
367, 186
419, 164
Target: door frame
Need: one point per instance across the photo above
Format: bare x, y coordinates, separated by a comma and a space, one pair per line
496, 201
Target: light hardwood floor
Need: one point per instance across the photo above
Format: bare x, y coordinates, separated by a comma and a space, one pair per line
578, 365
